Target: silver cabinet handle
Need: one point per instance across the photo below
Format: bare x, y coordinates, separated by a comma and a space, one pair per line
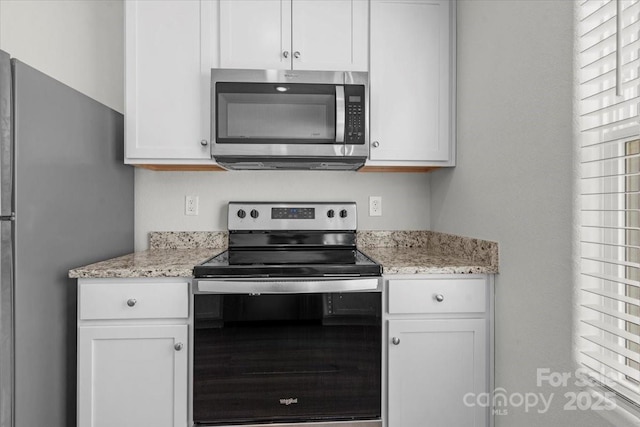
395, 340
285, 53
296, 54
178, 346
375, 144
131, 302
439, 297
204, 142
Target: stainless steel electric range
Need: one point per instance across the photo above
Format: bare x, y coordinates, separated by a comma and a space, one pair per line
287, 324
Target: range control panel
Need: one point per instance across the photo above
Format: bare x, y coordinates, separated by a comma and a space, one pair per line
292, 216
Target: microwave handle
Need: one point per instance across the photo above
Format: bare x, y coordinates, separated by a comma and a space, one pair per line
340, 114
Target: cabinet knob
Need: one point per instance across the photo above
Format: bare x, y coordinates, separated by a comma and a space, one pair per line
439, 297
395, 340
296, 54
285, 54
178, 346
131, 302
204, 142
375, 144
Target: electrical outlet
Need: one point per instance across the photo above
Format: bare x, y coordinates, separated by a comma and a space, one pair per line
191, 205
375, 205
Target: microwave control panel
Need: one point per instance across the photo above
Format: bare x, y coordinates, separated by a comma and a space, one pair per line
355, 120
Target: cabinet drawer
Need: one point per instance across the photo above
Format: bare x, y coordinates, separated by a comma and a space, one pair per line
134, 300
437, 296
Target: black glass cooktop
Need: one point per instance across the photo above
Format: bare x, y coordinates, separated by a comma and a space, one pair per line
275, 263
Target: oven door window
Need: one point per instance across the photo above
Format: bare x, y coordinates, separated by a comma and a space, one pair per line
285, 358
266, 113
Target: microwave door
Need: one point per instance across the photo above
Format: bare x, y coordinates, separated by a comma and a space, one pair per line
278, 114
340, 114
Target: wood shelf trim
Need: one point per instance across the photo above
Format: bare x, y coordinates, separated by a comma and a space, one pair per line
405, 169
216, 168
181, 168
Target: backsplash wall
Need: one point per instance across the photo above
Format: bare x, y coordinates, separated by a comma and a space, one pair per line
160, 197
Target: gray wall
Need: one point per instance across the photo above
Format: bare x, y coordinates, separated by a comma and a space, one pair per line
160, 197
514, 184
80, 43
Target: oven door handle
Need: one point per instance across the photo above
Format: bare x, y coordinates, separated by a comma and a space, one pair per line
289, 286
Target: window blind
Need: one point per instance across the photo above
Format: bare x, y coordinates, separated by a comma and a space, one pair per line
609, 312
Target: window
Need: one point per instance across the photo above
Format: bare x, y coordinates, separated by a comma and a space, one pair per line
609, 331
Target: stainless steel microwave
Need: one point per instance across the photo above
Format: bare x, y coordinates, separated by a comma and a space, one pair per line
279, 119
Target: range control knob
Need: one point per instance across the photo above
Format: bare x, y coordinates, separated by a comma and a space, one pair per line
343, 213
331, 213
241, 213
254, 213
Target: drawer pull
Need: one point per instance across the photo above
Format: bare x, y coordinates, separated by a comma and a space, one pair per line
395, 340
131, 302
178, 346
439, 297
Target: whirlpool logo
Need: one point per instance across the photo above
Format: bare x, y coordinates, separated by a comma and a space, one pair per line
289, 401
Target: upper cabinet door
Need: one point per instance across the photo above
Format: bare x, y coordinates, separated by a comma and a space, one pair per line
164, 85
411, 83
255, 34
294, 34
330, 35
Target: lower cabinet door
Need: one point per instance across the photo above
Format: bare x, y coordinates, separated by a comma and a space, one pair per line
132, 376
437, 369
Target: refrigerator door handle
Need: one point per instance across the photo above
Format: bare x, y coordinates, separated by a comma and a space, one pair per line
6, 135
11, 217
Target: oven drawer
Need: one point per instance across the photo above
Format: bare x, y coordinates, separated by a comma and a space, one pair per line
126, 300
437, 296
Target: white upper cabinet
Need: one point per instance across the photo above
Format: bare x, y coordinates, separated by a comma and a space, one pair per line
408, 47
255, 34
166, 80
330, 35
412, 75
294, 34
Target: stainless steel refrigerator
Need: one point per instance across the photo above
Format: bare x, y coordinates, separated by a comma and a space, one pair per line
66, 199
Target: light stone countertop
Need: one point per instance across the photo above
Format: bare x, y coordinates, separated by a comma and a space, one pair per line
149, 263
429, 252
424, 261
174, 254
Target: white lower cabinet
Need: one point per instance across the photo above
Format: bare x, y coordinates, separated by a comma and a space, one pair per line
133, 352
433, 366
439, 341
133, 369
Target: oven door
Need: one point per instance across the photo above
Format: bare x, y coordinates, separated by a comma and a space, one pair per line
287, 357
